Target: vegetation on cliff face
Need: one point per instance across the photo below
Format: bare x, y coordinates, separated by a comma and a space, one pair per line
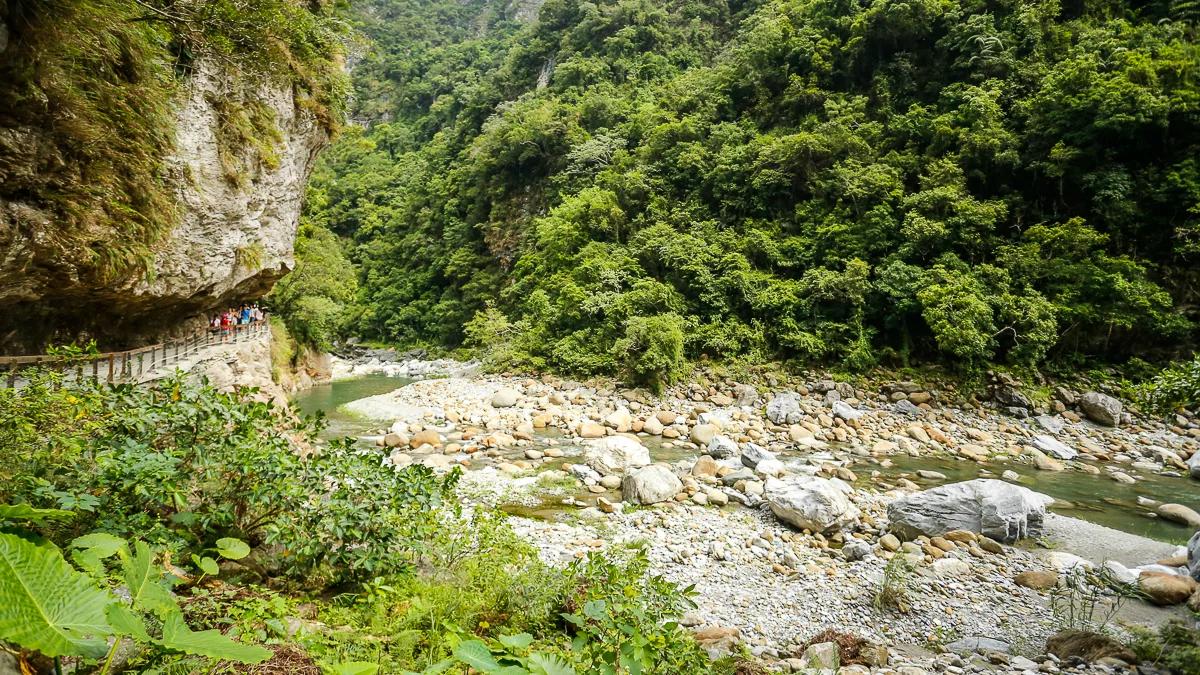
86, 106
850, 183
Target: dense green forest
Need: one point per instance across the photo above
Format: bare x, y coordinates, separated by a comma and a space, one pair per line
632, 183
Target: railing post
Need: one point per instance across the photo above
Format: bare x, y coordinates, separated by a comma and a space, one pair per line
112, 359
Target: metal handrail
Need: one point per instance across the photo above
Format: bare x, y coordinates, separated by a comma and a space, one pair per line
130, 365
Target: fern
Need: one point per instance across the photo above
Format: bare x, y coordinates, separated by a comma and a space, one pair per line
46, 605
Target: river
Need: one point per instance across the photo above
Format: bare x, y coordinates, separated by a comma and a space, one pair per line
1095, 498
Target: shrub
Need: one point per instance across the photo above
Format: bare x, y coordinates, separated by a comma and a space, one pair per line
895, 585
1174, 647
1178, 385
652, 350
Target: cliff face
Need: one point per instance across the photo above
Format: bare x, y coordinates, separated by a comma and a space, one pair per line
238, 211
241, 156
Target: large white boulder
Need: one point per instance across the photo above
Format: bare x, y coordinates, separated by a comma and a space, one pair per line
1194, 465
650, 485
810, 503
994, 508
615, 454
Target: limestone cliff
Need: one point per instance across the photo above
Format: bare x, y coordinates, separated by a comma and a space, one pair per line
142, 184
232, 238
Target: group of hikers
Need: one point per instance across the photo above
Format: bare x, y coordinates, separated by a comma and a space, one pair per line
225, 322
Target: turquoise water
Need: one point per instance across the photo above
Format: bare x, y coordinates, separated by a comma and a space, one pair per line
330, 397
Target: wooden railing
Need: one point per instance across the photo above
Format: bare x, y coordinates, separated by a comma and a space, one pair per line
132, 365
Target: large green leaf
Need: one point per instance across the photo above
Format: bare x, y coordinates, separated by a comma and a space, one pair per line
520, 641
177, 636
28, 513
144, 580
47, 605
125, 622
232, 549
477, 655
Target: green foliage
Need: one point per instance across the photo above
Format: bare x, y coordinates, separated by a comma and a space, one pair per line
47, 606
624, 619
1174, 647
178, 471
367, 521
314, 300
652, 349
792, 179
896, 584
192, 469
1177, 385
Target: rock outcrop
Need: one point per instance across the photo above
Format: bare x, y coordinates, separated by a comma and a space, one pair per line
999, 510
232, 239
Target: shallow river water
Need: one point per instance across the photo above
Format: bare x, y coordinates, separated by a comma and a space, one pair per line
1098, 499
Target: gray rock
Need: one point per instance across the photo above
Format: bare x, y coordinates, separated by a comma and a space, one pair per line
1052, 446
856, 549
650, 485
721, 447
1193, 548
505, 398
615, 454
784, 409
1009, 396
753, 454
1051, 423
810, 503
1101, 408
971, 645
999, 510
822, 656
1193, 464
738, 474
745, 394
846, 411
906, 407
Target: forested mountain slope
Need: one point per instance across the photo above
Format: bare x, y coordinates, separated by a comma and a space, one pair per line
626, 181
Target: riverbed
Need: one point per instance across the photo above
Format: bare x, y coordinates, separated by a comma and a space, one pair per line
1093, 498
